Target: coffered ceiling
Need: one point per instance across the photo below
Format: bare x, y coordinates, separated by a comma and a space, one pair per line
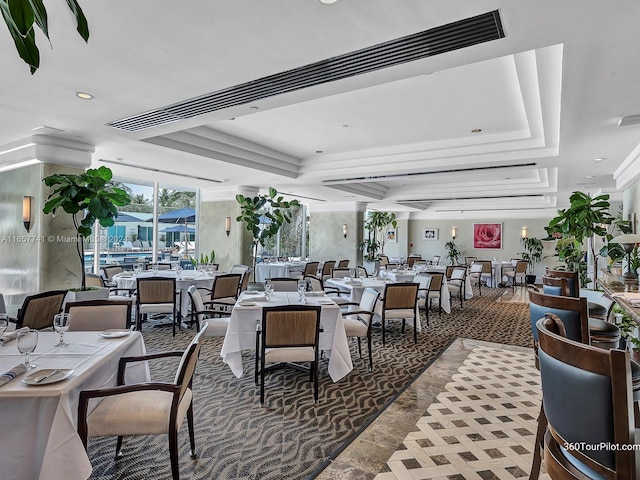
510, 125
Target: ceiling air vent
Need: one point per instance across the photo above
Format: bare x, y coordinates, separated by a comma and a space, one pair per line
442, 39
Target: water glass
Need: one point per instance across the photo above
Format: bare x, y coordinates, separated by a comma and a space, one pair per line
27, 343
4, 324
61, 325
136, 269
268, 291
179, 270
154, 268
302, 289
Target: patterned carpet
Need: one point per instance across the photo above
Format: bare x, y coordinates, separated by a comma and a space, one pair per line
291, 436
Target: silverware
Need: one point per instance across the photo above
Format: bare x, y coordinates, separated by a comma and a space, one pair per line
44, 377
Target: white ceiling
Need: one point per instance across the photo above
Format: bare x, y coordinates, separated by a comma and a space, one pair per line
547, 98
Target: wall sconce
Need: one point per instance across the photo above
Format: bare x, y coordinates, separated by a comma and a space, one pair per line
227, 225
453, 232
524, 232
344, 230
26, 211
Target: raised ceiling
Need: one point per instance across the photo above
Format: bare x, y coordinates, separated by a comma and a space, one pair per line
545, 98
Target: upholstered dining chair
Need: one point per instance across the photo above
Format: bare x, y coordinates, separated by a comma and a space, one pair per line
37, 310
481, 276
430, 289
224, 292
341, 272
283, 284
96, 315
343, 264
217, 319
109, 272
456, 280
326, 269
469, 260
399, 303
519, 272
596, 310
412, 259
317, 285
115, 293
310, 268
384, 260
357, 319
361, 271
435, 260
152, 408
579, 380
156, 295
288, 333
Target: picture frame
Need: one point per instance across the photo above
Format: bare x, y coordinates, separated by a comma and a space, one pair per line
430, 234
392, 235
487, 236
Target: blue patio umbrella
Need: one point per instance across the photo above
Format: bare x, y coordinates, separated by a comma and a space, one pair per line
179, 228
125, 217
181, 215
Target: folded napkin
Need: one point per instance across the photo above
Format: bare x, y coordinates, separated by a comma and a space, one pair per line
8, 336
315, 294
253, 299
16, 371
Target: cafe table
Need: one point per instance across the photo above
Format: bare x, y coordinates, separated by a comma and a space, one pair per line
183, 282
38, 422
241, 332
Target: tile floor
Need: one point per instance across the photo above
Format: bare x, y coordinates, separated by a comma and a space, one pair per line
471, 415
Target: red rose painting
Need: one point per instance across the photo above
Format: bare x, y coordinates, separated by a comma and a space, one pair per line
487, 235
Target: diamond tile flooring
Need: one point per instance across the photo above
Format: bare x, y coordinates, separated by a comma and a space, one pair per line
471, 415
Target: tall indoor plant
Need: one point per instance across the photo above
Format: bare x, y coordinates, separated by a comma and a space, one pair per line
533, 254
453, 252
586, 218
273, 207
90, 195
377, 226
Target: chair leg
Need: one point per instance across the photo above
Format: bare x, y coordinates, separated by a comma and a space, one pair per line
261, 380
415, 328
383, 336
173, 452
119, 446
426, 312
314, 369
192, 437
537, 446
359, 348
370, 354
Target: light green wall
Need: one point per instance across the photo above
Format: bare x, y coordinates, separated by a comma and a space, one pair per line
212, 236
326, 241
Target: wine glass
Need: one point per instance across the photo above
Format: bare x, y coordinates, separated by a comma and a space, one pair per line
179, 270
302, 289
61, 325
4, 324
268, 291
154, 268
136, 269
26, 343
373, 273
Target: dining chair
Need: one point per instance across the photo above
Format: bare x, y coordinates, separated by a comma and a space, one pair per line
430, 289
216, 319
244, 282
435, 260
37, 310
596, 310
288, 333
358, 317
109, 272
555, 286
224, 292
581, 382
283, 284
383, 259
469, 260
343, 264
96, 315
341, 272
310, 268
519, 272
399, 303
412, 259
479, 271
152, 408
156, 295
160, 265
326, 269
317, 285
362, 272
456, 280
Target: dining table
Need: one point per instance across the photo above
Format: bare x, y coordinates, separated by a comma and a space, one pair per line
38, 420
267, 270
246, 315
184, 280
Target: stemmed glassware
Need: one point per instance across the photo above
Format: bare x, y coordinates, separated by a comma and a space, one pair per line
4, 324
179, 270
136, 269
61, 325
154, 268
302, 291
27, 343
268, 291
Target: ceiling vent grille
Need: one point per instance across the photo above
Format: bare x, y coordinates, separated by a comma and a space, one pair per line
435, 41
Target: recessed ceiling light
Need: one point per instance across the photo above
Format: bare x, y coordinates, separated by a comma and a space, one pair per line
588, 176
345, 126
232, 118
476, 130
598, 160
253, 108
328, 2
84, 95
319, 151
121, 159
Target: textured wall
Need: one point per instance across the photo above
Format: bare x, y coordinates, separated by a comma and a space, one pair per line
326, 241
212, 235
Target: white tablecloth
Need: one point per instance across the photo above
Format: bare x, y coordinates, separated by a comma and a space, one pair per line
187, 278
38, 423
241, 333
278, 270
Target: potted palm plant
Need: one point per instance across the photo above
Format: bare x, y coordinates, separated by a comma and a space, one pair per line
453, 252
377, 225
87, 197
533, 254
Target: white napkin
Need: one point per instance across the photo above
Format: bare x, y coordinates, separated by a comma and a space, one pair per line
8, 336
16, 371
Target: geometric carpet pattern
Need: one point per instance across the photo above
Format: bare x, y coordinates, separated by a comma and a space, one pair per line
291, 437
481, 426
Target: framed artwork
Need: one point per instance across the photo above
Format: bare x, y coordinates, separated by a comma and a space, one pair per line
430, 234
487, 236
392, 235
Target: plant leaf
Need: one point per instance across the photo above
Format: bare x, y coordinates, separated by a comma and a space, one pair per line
82, 25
